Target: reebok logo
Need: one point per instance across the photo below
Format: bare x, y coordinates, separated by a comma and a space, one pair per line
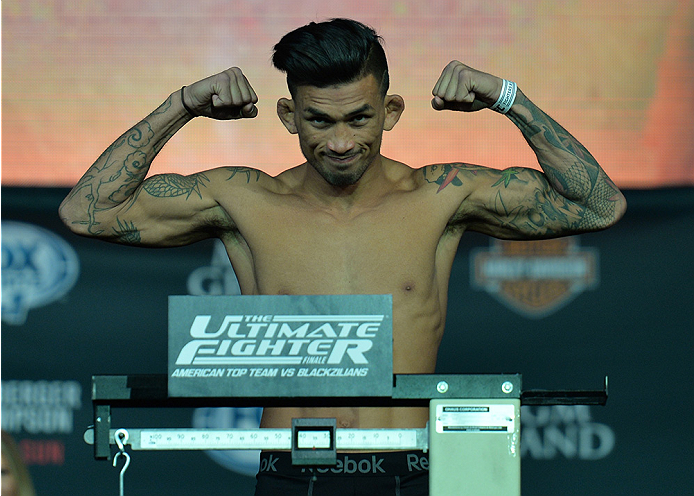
417, 463
268, 465
347, 466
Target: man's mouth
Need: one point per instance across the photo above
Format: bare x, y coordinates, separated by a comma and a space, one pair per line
342, 159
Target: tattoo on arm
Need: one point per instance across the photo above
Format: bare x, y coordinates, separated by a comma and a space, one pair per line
569, 167
446, 174
164, 107
542, 212
127, 233
573, 194
111, 181
507, 176
171, 185
537, 211
249, 172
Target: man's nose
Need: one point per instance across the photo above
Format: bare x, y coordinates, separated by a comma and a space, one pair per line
342, 139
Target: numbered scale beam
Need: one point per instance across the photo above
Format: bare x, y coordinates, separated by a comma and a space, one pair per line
133, 391
271, 439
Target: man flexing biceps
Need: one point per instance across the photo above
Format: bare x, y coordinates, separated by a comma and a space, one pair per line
574, 194
348, 220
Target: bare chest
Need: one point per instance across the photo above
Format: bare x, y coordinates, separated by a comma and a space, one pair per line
307, 251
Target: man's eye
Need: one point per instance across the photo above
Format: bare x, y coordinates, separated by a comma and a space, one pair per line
360, 119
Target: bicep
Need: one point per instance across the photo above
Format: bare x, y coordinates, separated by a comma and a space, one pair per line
167, 210
518, 203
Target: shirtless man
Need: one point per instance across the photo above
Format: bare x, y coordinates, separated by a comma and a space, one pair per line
348, 220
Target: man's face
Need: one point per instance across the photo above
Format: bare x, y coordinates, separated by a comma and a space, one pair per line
340, 128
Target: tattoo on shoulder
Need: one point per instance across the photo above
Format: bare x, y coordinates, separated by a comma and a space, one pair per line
127, 232
247, 171
170, 185
446, 174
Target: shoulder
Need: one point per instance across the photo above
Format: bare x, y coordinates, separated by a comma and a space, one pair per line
453, 180
458, 189
454, 177
222, 180
237, 175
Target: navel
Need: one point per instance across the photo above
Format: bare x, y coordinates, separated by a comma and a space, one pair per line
344, 424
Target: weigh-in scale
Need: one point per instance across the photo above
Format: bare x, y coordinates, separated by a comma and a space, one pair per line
316, 351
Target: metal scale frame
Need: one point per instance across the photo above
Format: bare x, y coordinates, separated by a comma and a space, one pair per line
473, 435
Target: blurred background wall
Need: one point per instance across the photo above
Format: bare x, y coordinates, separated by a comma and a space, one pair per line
76, 74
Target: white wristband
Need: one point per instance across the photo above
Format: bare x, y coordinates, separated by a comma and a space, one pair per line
506, 98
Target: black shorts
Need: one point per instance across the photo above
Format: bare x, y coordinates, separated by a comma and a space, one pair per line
394, 473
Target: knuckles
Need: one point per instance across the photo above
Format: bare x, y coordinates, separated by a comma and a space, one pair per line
226, 95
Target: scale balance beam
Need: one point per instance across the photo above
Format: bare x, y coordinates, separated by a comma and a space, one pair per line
150, 391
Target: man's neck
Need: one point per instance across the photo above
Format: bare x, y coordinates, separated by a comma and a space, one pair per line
370, 187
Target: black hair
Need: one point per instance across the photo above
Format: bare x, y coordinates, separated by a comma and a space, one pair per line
333, 52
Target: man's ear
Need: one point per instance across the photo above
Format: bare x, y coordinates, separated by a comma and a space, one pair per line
395, 106
285, 111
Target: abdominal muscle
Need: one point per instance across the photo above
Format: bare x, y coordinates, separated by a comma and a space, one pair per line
416, 355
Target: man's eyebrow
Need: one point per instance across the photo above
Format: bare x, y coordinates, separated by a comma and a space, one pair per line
364, 108
317, 113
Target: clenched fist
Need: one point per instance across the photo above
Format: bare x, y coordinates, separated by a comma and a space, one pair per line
465, 89
224, 96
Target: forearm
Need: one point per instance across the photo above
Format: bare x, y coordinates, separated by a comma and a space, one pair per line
568, 166
116, 175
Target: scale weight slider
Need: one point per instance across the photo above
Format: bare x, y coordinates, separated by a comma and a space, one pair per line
313, 441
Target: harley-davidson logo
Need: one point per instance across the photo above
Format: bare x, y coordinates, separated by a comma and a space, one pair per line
535, 278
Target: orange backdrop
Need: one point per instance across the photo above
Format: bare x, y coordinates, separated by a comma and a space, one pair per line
617, 74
